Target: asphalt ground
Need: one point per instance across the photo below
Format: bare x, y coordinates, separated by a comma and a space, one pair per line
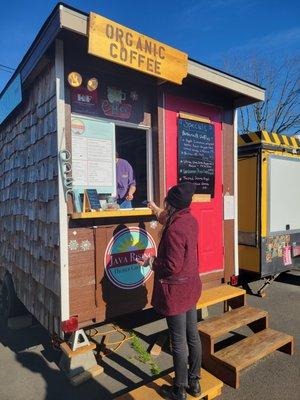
28, 364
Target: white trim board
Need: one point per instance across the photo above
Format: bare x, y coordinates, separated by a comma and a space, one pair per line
63, 215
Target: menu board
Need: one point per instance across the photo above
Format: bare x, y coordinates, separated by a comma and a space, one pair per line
93, 199
93, 155
196, 155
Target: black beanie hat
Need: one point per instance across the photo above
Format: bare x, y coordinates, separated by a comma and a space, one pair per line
180, 196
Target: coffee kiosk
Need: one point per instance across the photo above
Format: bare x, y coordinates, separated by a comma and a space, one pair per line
90, 86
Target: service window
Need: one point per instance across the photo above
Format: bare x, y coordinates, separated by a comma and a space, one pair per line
132, 145
113, 159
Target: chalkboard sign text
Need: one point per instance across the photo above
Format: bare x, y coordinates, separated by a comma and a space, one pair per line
196, 155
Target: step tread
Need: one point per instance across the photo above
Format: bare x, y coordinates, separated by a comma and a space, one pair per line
209, 385
247, 351
218, 294
231, 320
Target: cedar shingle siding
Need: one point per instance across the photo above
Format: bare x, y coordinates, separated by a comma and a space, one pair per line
29, 234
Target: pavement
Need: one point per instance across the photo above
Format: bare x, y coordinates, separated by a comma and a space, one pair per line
28, 364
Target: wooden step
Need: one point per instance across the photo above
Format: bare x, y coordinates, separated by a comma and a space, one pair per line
233, 296
247, 351
222, 293
220, 325
227, 363
210, 388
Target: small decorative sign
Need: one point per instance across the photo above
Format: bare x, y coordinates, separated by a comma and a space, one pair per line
229, 207
121, 254
120, 102
73, 245
92, 84
77, 126
85, 245
85, 101
74, 79
287, 256
296, 251
92, 198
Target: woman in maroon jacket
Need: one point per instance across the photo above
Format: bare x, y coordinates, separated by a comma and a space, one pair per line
177, 288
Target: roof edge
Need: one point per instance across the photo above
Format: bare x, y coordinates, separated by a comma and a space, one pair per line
77, 21
226, 81
70, 18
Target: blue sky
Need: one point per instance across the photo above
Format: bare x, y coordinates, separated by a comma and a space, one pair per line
208, 30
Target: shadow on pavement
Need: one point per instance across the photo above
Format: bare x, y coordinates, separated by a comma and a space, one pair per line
125, 364
56, 385
18, 340
289, 278
33, 351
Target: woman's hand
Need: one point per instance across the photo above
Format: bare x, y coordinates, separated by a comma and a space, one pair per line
130, 193
160, 213
145, 261
157, 210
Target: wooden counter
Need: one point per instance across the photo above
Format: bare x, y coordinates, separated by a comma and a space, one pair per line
112, 213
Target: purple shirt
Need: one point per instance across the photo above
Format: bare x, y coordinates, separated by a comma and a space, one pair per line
125, 178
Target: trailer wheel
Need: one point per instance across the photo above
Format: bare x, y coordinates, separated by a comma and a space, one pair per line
11, 305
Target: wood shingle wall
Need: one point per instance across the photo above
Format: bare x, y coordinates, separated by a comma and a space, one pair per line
29, 230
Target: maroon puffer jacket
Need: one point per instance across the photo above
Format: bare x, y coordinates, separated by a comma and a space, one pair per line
177, 285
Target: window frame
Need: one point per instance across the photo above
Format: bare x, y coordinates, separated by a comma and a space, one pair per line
149, 169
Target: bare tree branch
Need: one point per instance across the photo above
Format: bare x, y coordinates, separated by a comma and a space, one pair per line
280, 112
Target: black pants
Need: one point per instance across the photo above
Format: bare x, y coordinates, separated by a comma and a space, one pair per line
186, 346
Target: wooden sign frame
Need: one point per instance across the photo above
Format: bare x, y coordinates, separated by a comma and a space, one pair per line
124, 46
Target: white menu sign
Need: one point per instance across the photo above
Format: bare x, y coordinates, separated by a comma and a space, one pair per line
93, 154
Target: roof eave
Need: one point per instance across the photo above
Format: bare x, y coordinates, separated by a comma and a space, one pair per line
64, 17
247, 92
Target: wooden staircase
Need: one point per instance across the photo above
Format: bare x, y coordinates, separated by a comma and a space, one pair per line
224, 365
227, 363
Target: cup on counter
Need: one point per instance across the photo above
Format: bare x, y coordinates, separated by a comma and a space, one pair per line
103, 204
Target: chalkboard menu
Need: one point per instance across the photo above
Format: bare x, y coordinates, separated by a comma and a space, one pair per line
196, 155
93, 199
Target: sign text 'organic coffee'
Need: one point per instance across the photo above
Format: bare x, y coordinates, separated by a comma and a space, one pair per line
121, 45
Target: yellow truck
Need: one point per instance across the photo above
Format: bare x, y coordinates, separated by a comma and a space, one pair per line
268, 204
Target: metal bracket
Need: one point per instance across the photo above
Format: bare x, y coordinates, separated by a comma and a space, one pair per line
79, 339
267, 282
66, 169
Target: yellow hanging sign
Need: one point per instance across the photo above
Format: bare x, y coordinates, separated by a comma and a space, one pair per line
121, 45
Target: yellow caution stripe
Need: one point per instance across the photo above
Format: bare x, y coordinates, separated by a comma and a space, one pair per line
268, 137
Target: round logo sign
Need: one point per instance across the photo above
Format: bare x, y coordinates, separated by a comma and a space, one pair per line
77, 126
121, 254
74, 79
92, 84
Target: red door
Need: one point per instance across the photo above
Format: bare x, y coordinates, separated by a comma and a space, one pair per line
208, 214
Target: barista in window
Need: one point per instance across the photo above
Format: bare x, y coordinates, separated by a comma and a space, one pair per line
126, 185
